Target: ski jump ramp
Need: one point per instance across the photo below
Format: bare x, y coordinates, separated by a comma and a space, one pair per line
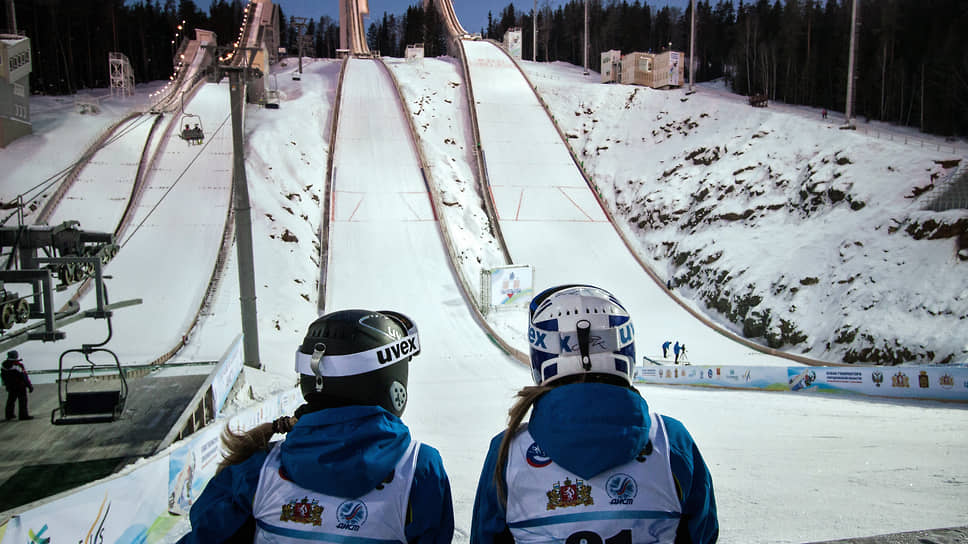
551, 219
189, 190
385, 252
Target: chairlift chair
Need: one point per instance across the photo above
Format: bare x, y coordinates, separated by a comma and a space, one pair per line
191, 134
272, 94
91, 401
97, 402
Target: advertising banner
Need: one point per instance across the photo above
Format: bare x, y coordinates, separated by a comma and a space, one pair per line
194, 464
191, 467
914, 382
674, 61
120, 510
510, 286
512, 42
228, 370
133, 506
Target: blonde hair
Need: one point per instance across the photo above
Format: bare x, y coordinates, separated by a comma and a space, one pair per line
526, 399
239, 446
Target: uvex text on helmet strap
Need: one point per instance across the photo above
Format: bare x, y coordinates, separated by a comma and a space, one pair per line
358, 363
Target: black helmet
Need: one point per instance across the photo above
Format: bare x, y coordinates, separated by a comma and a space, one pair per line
13, 355
353, 357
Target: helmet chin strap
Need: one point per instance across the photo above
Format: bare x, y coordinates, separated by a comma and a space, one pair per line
318, 351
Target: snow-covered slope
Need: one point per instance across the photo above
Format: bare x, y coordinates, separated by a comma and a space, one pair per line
780, 224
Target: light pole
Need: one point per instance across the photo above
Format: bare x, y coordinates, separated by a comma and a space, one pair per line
692, 46
586, 37
849, 109
534, 22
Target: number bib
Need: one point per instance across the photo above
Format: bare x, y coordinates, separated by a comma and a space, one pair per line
635, 502
288, 513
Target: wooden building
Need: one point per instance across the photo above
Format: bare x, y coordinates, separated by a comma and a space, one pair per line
15, 66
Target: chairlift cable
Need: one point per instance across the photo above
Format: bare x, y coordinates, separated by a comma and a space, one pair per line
172, 186
59, 176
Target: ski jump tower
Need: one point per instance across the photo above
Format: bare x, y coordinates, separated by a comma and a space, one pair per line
122, 75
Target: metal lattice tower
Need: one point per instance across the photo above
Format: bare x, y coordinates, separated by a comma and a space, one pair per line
122, 75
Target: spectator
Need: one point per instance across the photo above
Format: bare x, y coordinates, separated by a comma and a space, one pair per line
347, 457
17, 383
676, 349
665, 349
592, 462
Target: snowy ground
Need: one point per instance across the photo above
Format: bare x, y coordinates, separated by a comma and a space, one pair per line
776, 218
786, 468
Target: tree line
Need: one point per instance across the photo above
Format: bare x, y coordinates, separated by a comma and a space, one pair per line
911, 63
911, 60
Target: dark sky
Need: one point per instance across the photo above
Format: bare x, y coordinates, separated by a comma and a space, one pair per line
472, 13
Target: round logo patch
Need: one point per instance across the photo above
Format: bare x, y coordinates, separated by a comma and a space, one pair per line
351, 515
536, 457
621, 488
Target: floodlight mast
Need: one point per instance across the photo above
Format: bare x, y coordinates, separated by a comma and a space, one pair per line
692, 46
586, 37
534, 23
11, 17
852, 55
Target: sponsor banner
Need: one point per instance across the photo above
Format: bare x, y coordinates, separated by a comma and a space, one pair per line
118, 510
914, 382
512, 42
132, 506
191, 467
510, 286
228, 370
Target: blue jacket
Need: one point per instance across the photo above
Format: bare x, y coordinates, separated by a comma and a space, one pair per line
342, 452
588, 428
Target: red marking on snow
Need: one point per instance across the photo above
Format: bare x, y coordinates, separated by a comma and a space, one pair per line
562, 189
358, 204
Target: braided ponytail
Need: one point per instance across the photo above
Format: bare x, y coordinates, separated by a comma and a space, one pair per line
526, 398
240, 446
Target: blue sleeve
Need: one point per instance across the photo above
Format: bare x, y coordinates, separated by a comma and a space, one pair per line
225, 504
489, 522
699, 523
430, 516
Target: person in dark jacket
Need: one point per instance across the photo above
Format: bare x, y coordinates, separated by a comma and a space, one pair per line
17, 383
592, 464
348, 469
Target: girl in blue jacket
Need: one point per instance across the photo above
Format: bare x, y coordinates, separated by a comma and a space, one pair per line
592, 464
348, 469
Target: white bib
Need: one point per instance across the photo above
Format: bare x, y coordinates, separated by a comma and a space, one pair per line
635, 502
288, 513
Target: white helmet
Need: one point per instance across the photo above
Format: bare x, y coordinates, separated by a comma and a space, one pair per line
579, 330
